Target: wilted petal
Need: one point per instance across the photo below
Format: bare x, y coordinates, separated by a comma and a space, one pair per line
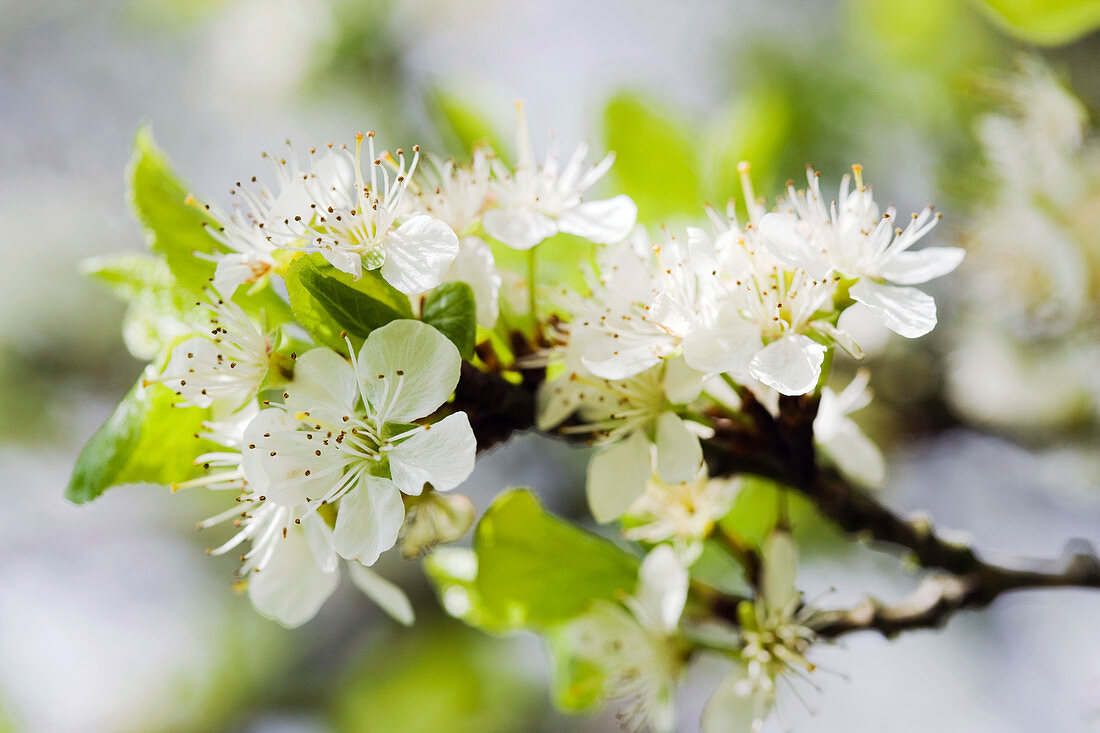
370, 516
418, 254
442, 454
603, 222
791, 365
905, 311
519, 228
407, 369
617, 476
388, 596
913, 268
291, 588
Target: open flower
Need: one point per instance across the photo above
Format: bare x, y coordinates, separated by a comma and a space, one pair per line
683, 513
636, 425
852, 451
345, 434
636, 648
536, 202
225, 368
358, 225
854, 240
774, 640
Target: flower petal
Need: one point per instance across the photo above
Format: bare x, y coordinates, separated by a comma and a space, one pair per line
388, 596
913, 268
727, 709
442, 454
476, 267
407, 369
905, 311
519, 228
617, 476
324, 386
618, 358
780, 568
319, 538
791, 365
792, 241
679, 454
727, 346
602, 222
662, 587
856, 455
418, 254
291, 588
370, 517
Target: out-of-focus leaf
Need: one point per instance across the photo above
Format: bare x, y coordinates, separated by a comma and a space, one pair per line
435, 678
656, 163
464, 127
451, 310
174, 228
1046, 22
145, 440
530, 569
326, 301
753, 128
578, 684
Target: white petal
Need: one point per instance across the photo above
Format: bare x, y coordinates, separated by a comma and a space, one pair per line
791, 365
780, 568
282, 477
663, 586
233, 270
388, 596
619, 358
419, 368
792, 241
319, 538
370, 517
344, 261
855, 454
682, 383
913, 268
519, 228
442, 454
418, 254
324, 386
617, 476
476, 267
905, 311
727, 346
603, 222
291, 588
679, 454
726, 710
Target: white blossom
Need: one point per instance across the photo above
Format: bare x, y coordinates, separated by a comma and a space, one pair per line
344, 433
636, 648
536, 202
842, 440
225, 368
683, 513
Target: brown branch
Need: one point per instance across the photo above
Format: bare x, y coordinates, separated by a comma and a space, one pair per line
782, 448
940, 596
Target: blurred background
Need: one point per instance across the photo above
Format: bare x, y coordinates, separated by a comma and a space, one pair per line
113, 619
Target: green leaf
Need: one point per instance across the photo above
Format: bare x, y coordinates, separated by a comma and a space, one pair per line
145, 440
175, 228
665, 185
463, 126
451, 310
326, 301
1045, 22
530, 569
578, 684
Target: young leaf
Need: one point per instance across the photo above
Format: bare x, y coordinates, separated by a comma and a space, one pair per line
145, 440
174, 228
451, 309
532, 570
326, 301
463, 126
